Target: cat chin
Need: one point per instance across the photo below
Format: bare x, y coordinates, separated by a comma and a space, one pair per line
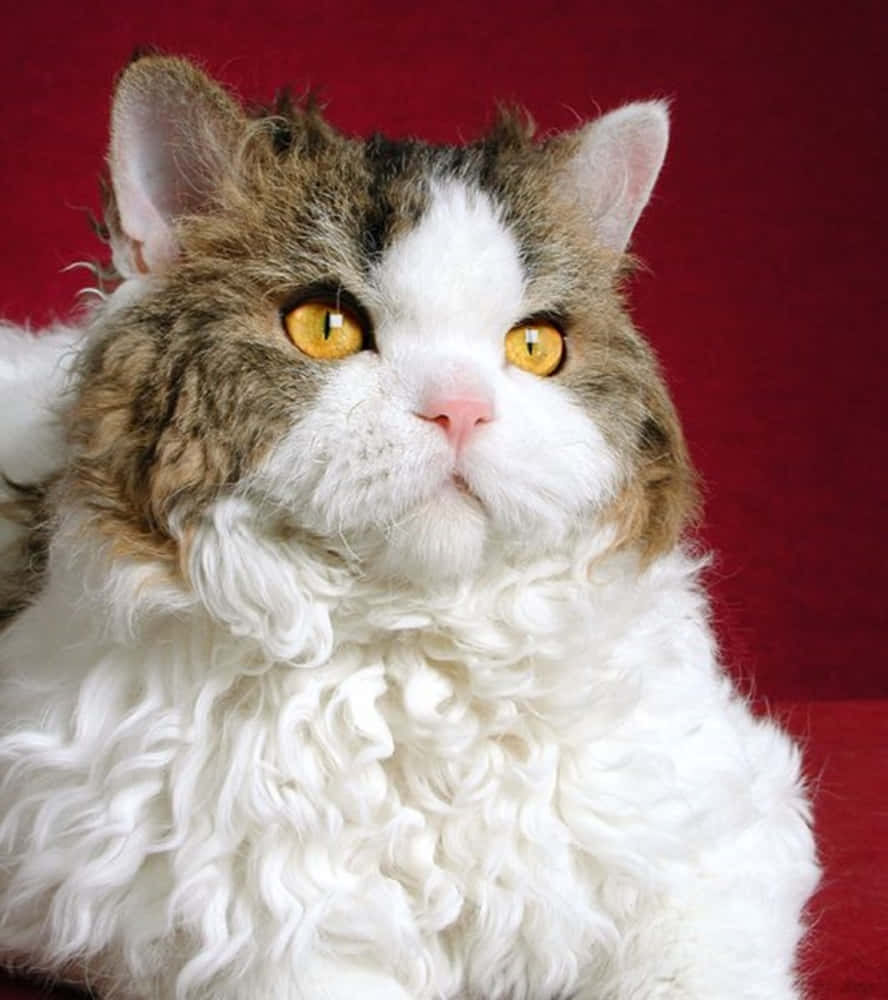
441, 541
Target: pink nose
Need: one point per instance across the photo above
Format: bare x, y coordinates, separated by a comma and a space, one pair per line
457, 416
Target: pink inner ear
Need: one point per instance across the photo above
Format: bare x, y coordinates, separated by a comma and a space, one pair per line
617, 165
154, 246
141, 173
644, 156
155, 173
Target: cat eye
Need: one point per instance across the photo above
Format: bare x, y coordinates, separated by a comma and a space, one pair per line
324, 330
535, 347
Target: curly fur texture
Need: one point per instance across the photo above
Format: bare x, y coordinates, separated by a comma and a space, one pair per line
309, 701
540, 780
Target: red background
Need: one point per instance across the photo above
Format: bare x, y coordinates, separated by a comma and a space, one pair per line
764, 296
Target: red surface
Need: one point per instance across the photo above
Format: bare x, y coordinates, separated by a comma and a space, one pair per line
847, 759
765, 295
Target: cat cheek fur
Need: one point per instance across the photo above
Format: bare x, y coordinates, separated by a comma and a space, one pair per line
258, 585
363, 472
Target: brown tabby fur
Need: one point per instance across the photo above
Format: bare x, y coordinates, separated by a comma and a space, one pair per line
26, 556
186, 391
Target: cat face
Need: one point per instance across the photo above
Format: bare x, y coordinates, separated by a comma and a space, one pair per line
432, 447
417, 433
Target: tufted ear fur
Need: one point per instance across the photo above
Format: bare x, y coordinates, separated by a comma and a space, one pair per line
612, 165
172, 132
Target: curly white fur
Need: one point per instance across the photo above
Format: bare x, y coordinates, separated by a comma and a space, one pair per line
34, 372
515, 789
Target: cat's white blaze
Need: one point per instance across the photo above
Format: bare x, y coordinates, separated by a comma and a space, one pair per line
362, 464
452, 282
445, 290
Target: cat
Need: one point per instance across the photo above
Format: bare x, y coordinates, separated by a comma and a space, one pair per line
352, 645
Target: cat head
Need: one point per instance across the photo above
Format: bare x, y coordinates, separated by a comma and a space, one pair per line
413, 356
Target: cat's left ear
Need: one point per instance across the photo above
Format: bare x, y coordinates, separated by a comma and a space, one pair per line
611, 165
173, 132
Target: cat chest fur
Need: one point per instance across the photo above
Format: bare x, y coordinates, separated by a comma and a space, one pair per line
435, 794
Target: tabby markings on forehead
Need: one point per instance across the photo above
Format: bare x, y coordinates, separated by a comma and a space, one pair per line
396, 188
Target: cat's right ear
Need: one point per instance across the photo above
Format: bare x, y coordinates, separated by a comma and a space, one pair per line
173, 131
610, 167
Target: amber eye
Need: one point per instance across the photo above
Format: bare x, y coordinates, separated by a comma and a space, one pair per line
535, 347
324, 330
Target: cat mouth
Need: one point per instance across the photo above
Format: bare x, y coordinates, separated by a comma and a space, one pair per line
463, 488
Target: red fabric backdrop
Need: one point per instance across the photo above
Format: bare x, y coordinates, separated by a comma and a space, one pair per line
765, 244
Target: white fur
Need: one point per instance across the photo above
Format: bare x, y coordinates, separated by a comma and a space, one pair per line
510, 789
34, 372
303, 776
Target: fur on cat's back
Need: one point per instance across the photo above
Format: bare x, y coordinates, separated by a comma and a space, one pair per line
351, 647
